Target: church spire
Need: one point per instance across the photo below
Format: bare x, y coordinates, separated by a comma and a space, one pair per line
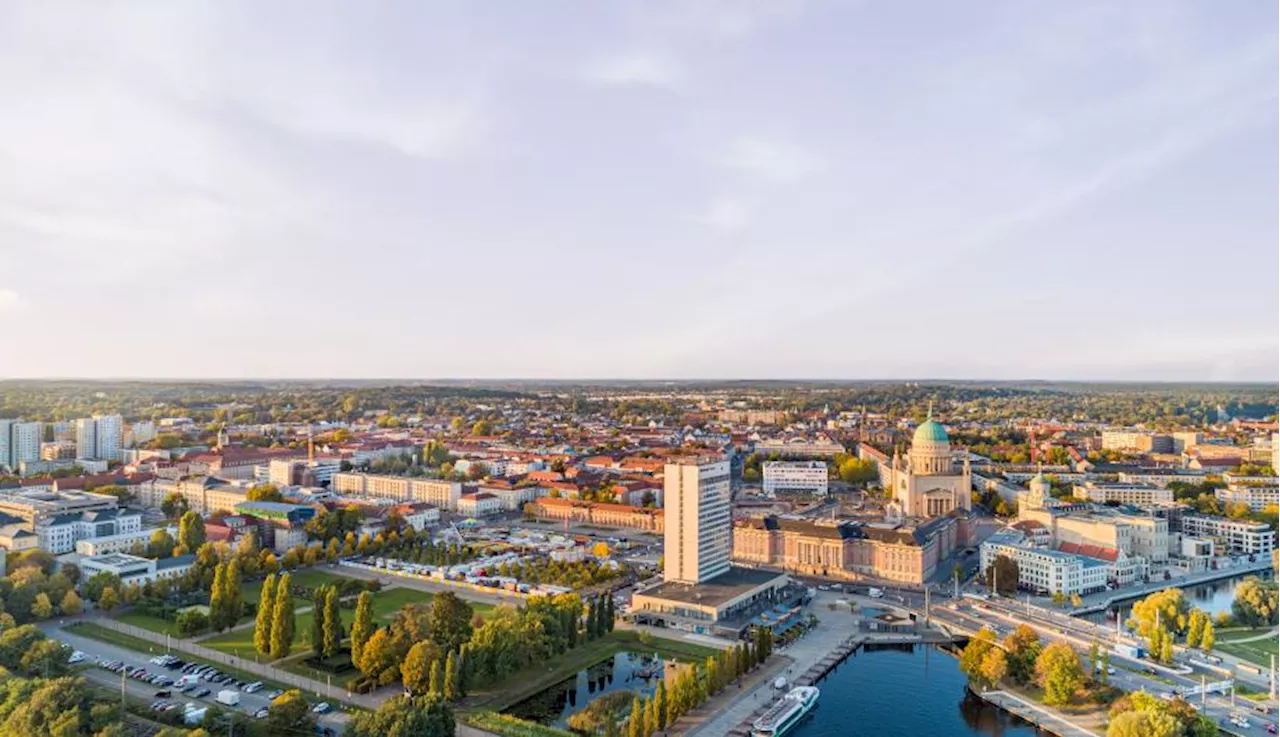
929, 416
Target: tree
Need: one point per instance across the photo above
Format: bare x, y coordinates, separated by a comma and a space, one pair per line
1208, 638
1166, 650
46, 658
217, 602
232, 596
609, 615
71, 604
362, 628
161, 544
1144, 724
174, 505
1257, 603
416, 670
435, 683
994, 666
190, 622
635, 720
282, 618
318, 615
42, 607
380, 659
660, 699
451, 678
449, 621
332, 623
264, 493
401, 716
109, 599
974, 653
290, 714
1058, 672
265, 617
191, 531
1003, 573
1195, 627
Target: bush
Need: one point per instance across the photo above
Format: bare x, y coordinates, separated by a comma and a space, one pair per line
509, 726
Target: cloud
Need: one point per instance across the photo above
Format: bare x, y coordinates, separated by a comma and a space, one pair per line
11, 303
725, 214
772, 160
636, 70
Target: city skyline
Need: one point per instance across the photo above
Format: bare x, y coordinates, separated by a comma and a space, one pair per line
707, 190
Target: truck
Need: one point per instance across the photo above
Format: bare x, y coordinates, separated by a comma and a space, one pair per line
1132, 652
228, 697
188, 680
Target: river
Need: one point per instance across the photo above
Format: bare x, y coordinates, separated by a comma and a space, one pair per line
1212, 597
907, 691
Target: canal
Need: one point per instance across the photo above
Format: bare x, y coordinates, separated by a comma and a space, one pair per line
635, 672
905, 690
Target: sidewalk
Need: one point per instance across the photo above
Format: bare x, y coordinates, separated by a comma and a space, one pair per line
1048, 720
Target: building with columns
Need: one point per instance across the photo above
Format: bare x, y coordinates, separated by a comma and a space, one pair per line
926, 483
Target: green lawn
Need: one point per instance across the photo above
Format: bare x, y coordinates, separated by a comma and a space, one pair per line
385, 604
309, 578
1258, 652
148, 622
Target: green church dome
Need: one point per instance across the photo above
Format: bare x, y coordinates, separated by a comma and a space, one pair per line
930, 432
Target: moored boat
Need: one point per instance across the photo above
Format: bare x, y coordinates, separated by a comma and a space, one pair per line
784, 715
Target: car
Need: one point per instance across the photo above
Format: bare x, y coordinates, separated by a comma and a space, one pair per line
252, 687
200, 693
274, 694
261, 713
1272, 729
163, 693
189, 690
1111, 670
1262, 708
158, 705
321, 708
76, 657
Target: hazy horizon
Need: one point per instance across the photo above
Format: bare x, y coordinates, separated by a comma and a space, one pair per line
704, 190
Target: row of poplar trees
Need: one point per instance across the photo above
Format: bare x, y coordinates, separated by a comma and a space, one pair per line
692, 686
273, 630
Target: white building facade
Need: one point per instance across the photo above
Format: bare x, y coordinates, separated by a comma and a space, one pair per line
698, 528
802, 477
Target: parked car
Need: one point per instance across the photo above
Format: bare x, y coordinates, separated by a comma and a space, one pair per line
261, 713
321, 708
274, 694
163, 694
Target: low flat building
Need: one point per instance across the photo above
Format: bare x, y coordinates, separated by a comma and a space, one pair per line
724, 605
61, 534
1257, 496
132, 569
118, 543
479, 504
1231, 536
795, 477
282, 526
1139, 495
597, 513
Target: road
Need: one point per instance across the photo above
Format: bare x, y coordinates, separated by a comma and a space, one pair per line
249, 703
1130, 675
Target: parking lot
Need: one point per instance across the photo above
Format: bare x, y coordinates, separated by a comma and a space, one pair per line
112, 666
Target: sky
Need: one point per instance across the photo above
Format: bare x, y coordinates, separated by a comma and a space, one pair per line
650, 189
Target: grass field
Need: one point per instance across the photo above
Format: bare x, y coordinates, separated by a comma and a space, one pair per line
385, 604
309, 579
148, 622
1258, 652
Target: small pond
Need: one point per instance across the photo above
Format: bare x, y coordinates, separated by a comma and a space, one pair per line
638, 672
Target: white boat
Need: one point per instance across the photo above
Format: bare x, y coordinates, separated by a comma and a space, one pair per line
784, 715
